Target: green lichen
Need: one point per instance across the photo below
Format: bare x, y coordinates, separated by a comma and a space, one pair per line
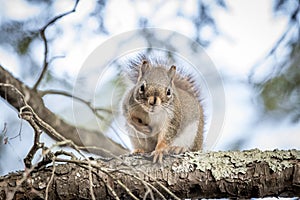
230, 164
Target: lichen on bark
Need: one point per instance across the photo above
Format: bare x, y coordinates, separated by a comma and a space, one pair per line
228, 165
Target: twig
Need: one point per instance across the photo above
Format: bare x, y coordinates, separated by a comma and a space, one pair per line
144, 182
19, 133
3, 132
42, 33
133, 169
82, 162
288, 30
27, 172
89, 105
91, 181
51, 179
27, 115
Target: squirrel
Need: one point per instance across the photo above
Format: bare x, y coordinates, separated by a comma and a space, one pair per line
163, 111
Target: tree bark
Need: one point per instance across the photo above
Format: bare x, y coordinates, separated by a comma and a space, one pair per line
79, 136
234, 174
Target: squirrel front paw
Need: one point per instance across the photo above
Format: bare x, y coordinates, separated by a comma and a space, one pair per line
160, 150
177, 149
158, 153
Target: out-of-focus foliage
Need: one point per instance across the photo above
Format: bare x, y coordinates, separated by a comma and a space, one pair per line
21, 35
279, 89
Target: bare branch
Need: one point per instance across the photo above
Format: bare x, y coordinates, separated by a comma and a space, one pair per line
80, 136
42, 33
87, 103
19, 133
51, 179
90, 106
27, 115
192, 175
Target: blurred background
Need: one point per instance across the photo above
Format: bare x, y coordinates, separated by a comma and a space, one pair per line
254, 45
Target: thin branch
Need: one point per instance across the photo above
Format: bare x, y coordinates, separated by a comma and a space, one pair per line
77, 134
88, 103
28, 114
19, 133
82, 162
133, 170
51, 179
26, 173
293, 24
90, 106
91, 180
54, 58
45, 41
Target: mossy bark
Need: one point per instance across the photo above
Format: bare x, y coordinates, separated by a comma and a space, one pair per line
192, 175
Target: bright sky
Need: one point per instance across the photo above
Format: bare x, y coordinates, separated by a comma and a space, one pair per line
250, 31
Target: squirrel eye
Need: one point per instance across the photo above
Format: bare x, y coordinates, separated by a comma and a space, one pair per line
169, 92
142, 88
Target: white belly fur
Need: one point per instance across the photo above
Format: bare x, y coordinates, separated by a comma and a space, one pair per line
187, 136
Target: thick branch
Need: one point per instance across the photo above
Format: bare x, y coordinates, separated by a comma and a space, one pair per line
193, 175
80, 136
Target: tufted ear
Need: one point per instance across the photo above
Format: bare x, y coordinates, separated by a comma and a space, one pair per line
172, 72
144, 67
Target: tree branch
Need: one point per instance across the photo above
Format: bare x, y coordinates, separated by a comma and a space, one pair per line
45, 41
80, 136
234, 174
95, 110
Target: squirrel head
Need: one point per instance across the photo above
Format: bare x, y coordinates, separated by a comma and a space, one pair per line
155, 87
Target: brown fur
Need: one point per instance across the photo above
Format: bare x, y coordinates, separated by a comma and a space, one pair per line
163, 104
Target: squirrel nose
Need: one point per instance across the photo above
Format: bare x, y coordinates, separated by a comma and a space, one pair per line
153, 100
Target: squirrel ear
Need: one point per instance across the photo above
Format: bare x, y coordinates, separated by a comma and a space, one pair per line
172, 71
144, 67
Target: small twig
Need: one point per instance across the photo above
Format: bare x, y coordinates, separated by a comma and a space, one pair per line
54, 58
19, 133
65, 153
133, 169
147, 185
82, 162
113, 192
42, 33
89, 105
91, 180
4, 129
3, 132
10, 195
51, 179
271, 52
27, 115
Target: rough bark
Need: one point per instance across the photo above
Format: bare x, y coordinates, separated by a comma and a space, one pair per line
192, 175
79, 136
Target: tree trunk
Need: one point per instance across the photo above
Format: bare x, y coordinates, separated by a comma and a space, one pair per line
233, 174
